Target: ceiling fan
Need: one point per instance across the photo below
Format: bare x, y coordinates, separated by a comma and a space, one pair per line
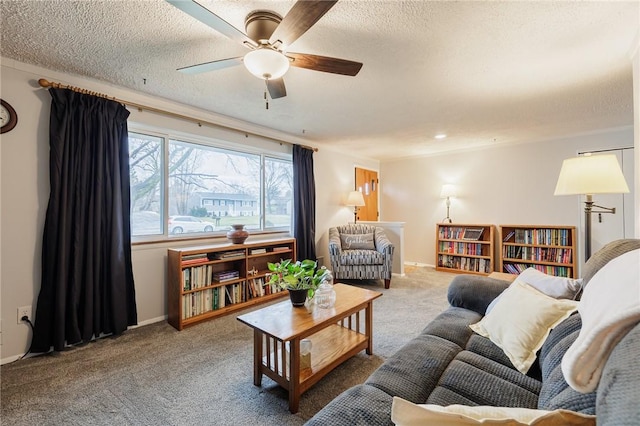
268, 35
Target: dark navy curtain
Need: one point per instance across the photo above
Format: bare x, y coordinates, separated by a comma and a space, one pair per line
304, 202
87, 284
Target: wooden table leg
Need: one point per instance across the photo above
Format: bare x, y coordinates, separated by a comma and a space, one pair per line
369, 327
257, 357
294, 375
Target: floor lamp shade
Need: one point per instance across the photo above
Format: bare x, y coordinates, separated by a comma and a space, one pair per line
591, 174
588, 175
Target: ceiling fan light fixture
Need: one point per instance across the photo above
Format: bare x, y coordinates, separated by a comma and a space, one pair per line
266, 63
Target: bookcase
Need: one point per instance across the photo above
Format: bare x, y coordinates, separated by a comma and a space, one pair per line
464, 248
208, 281
550, 249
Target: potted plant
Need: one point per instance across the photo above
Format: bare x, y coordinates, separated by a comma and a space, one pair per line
301, 278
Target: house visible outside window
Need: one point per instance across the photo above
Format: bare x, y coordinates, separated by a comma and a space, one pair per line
205, 188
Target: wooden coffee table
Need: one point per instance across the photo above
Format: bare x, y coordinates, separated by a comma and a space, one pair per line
336, 334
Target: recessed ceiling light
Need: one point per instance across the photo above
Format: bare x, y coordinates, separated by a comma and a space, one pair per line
440, 136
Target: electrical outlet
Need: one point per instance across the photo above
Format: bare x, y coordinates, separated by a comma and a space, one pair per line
24, 311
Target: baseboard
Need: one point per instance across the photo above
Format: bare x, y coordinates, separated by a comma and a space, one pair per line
140, 324
150, 321
422, 265
10, 359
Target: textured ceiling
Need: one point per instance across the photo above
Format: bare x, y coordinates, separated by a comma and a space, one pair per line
481, 72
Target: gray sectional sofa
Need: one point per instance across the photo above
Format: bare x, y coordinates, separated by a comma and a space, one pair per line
449, 364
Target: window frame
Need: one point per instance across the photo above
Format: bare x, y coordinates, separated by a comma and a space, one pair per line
209, 142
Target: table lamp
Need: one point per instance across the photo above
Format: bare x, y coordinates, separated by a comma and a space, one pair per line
448, 191
355, 200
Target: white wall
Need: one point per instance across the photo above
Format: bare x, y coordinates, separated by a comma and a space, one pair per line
635, 60
24, 186
501, 185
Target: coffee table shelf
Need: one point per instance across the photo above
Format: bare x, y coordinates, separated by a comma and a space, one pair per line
331, 347
336, 334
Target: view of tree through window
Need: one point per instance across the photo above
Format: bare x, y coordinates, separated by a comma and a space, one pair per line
278, 176
145, 163
208, 188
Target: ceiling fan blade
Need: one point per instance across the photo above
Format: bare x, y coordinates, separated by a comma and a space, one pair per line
299, 19
209, 18
211, 66
276, 88
324, 63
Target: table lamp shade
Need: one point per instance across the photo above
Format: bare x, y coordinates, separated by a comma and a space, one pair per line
355, 199
591, 174
448, 190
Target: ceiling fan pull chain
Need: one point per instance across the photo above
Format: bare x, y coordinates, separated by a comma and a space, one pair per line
266, 99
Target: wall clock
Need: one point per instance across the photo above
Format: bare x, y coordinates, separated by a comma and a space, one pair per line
8, 117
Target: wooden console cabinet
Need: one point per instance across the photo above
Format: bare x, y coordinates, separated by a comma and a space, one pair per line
209, 281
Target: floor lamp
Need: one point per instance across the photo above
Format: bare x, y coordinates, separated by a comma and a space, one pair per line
355, 200
588, 175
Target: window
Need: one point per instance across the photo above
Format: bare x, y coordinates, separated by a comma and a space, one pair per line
204, 188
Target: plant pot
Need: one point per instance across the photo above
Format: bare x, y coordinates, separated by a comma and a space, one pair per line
298, 297
238, 234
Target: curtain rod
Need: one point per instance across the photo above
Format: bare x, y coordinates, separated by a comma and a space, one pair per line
47, 84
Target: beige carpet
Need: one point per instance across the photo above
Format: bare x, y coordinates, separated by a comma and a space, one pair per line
155, 375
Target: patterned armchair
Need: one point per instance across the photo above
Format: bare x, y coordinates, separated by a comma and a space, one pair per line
359, 251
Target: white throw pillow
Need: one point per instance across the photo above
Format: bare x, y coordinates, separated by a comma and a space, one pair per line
405, 413
521, 321
556, 287
552, 286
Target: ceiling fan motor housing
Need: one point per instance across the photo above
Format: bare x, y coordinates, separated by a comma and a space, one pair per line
260, 24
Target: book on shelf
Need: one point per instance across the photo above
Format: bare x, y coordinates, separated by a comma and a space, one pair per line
228, 254
194, 261
258, 250
194, 256
472, 234
517, 268
280, 248
225, 276
509, 235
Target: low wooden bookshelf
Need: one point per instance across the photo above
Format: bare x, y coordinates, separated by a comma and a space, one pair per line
208, 281
548, 248
464, 248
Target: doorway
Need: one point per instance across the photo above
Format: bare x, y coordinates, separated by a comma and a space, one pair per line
367, 183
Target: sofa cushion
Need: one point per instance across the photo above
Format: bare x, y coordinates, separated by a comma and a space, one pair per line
361, 257
453, 325
617, 398
605, 254
521, 321
556, 392
361, 405
413, 372
486, 348
471, 379
474, 292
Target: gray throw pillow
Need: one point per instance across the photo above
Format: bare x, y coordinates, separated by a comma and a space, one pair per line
357, 241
